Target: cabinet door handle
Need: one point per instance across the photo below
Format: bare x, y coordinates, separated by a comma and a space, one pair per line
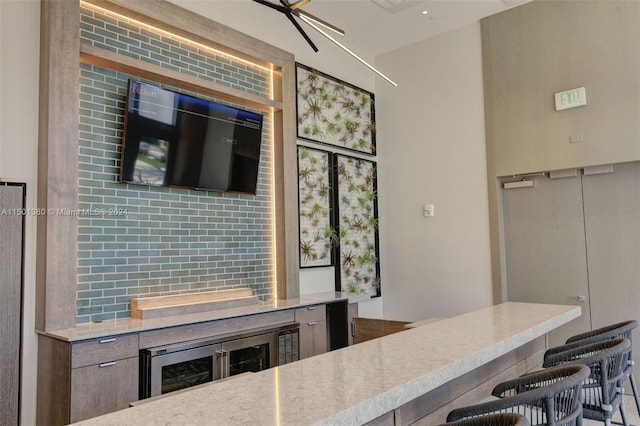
312, 323
311, 308
109, 340
107, 364
222, 357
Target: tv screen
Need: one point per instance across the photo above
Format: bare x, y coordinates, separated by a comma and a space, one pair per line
172, 139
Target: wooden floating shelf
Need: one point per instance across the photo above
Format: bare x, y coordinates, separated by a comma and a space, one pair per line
181, 304
114, 61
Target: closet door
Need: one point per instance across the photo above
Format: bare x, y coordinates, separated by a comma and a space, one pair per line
612, 223
545, 248
11, 232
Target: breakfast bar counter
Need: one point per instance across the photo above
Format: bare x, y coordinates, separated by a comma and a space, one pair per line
360, 383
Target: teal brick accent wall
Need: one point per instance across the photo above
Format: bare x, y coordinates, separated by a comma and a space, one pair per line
118, 35
143, 241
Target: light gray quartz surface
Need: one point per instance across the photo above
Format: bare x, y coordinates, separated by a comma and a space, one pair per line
359, 383
423, 322
133, 325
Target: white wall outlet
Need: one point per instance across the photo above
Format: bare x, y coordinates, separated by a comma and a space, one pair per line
429, 210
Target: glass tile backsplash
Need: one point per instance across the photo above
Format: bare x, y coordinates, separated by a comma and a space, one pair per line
138, 240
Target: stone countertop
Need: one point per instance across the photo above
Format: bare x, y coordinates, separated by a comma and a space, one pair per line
134, 325
358, 383
423, 322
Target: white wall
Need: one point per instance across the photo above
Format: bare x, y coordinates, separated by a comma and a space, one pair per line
433, 151
19, 56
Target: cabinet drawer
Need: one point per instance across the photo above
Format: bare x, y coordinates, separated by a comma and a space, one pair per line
103, 388
311, 314
104, 349
313, 338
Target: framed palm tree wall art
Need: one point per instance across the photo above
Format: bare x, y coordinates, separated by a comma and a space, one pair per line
332, 112
356, 218
317, 234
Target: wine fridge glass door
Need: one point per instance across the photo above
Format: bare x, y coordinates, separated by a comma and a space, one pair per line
251, 354
173, 371
187, 373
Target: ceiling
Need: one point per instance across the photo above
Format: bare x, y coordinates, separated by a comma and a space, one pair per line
373, 29
370, 29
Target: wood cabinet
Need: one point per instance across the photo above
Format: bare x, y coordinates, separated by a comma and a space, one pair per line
81, 379
85, 379
104, 376
11, 249
313, 330
103, 388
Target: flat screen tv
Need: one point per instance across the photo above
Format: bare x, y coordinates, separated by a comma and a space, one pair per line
172, 139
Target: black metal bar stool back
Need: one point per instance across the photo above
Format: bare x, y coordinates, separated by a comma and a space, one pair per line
620, 329
602, 393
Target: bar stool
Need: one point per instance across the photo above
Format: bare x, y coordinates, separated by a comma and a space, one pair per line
621, 329
501, 419
550, 396
601, 391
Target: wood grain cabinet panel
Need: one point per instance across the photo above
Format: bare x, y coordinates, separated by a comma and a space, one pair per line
11, 248
77, 381
105, 349
104, 375
313, 330
103, 388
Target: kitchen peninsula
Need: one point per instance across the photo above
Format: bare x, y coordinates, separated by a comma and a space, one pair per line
383, 380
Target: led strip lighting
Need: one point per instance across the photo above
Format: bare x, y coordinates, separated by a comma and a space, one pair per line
171, 35
210, 49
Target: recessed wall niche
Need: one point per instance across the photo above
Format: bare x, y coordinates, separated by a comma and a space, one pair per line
161, 240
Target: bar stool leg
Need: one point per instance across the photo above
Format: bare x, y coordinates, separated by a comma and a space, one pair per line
623, 412
634, 388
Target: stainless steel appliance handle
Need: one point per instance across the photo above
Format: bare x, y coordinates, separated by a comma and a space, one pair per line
223, 357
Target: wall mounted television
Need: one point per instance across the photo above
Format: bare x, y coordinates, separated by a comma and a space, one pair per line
172, 139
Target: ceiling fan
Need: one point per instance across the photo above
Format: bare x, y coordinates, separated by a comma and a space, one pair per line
292, 10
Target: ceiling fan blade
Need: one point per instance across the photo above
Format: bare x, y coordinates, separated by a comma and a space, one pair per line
271, 5
341, 46
294, 9
319, 21
300, 30
287, 12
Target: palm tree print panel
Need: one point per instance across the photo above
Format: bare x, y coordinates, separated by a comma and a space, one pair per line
317, 236
333, 112
356, 210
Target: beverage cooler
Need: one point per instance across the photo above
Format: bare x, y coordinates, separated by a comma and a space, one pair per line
178, 366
